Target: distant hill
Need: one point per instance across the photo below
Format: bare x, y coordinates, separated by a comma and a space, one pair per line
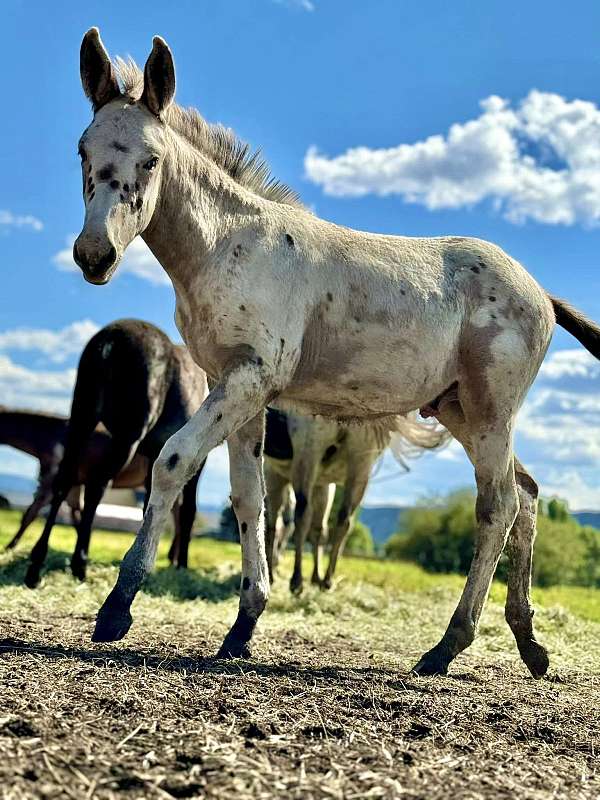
382, 521
588, 518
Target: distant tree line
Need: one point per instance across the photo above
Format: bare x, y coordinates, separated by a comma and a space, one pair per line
439, 536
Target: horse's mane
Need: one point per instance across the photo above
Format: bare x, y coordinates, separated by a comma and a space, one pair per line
220, 144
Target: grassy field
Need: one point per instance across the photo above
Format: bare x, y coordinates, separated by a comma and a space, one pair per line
326, 708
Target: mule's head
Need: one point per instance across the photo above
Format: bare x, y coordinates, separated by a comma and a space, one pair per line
121, 154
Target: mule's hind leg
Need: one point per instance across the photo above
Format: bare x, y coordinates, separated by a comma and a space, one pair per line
275, 484
322, 500
519, 612
489, 446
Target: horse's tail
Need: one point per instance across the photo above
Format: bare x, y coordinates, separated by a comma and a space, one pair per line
578, 325
411, 436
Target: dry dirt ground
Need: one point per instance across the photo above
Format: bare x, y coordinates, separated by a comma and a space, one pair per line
327, 707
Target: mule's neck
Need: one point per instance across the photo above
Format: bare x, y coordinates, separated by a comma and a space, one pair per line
34, 434
198, 208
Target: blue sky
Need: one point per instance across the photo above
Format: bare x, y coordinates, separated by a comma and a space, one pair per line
418, 119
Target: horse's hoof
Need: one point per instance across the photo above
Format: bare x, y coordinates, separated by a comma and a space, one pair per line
535, 657
431, 663
111, 627
296, 587
316, 581
32, 577
78, 570
326, 584
234, 648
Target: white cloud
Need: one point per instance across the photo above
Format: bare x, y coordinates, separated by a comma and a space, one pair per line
570, 363
539, 160
10, 220
138, 260
58, 346
303, 5
42, 390
570, 484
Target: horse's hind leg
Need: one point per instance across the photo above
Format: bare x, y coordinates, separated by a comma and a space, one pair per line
187, 515
43, 495
322, 500
519, 612
92, 497
119, 455
489, 446
275, 485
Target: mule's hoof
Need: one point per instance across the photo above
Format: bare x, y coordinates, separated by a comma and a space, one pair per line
296, 587
111, 627
535, 657
234, 648
315, 580
326, 584
432, 663
32, 577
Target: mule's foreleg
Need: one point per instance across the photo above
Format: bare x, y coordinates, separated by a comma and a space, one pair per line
519, 612
496, 509
232, 402
247, 498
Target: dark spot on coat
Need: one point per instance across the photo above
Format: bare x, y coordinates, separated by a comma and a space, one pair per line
237, 251
289, 240
242, 308
475, 269
106, 173
329, 453
114, 184
137, 186
492, 299
120, 147
402, 292
329, 296
244, 527
343, 514
219, 417
125, 187
246, 584
90, 182
92, 194
122, 197
172, 462
257, 449
139, 203
259, 361
301, 503
482, 265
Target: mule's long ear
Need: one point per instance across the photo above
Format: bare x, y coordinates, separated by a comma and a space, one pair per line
159, 77
97, 73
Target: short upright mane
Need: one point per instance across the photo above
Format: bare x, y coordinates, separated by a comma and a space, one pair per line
220, 144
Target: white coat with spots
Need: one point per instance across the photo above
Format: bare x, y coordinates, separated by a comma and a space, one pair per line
274, 302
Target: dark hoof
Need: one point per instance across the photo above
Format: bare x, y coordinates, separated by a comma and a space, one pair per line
111, 627
315, 580
10, 546
32, 577
432, 663
535, 657
296, 585
78, 569
326, 584
234, 648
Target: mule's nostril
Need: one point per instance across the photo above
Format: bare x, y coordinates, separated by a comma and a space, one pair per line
106, 261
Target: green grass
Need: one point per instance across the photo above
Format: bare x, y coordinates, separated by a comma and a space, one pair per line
213, 558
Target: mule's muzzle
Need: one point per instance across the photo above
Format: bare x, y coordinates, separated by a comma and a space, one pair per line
96, 269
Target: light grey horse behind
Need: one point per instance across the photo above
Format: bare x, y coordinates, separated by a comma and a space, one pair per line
313, 455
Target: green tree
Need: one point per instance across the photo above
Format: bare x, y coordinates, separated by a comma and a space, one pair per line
360, 540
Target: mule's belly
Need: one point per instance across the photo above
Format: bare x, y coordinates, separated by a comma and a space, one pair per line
396, 375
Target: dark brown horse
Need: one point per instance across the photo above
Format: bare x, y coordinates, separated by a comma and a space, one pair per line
42, 436
142, 388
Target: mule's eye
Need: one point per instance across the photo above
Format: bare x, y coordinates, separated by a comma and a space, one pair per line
151, 163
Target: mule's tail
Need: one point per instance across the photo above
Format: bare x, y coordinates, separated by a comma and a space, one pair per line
578, 325
412, 436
